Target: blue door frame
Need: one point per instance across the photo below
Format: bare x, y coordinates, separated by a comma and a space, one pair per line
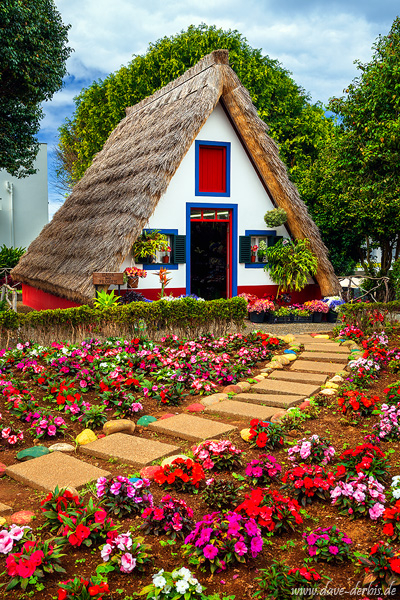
234, 241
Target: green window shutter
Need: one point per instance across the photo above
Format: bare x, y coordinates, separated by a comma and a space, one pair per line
179, 249
244, 248
272, 239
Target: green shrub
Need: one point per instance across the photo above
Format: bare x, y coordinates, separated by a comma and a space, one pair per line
9, 257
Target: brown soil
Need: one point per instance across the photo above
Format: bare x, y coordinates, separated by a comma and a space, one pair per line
238, 582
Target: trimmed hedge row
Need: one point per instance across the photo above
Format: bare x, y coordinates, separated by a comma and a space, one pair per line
185, 317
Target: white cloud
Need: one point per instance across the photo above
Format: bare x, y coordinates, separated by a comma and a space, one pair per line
317, 41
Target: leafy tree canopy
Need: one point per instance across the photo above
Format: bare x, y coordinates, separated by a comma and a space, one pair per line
354, 186
33, 53
295, 123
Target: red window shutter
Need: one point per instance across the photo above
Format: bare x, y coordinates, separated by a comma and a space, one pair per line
212, 169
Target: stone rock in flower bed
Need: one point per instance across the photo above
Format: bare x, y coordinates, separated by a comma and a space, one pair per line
214, 399
146, 420
22, 517
3, 521
3, 468
245, 434
148, 472
196, 407
232, 389
328, 392
276, 417
116, 425
170, 459
86, 437
274, 364
34, 452
61, 447
336, 379
166, 416
289, 338
5, 509
244, 385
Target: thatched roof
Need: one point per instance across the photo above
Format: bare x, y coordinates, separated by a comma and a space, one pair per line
96, 227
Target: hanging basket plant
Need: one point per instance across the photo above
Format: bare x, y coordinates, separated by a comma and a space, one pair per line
275, 218
290, 263
148, 243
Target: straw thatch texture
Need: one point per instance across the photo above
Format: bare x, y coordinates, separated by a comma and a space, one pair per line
95, 228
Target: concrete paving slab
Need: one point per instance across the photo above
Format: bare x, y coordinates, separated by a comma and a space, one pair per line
286, 387
243, 410
330, 356
317, 378
130, 449
278, 400
194, 429
315, 367
317, 347
56, 468
304, 338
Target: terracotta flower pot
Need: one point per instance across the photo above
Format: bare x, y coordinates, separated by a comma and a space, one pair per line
133, 282
253, 258
165, 259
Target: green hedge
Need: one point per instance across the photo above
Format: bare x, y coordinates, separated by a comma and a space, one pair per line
186, 317
367, 315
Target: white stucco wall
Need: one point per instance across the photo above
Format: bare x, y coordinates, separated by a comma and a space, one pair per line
24, 204
246, 191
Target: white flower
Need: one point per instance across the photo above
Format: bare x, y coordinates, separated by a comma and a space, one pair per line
181, 586
184, 572
159, 581
105, 552
199, 588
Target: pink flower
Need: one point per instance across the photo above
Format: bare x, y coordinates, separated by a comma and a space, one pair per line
52, 430
333, 549
240, 548
83, 383
105, 552
12, 439
210, 551
6, 542
128, 563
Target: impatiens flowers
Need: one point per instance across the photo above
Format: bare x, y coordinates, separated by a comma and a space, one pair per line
327, 544
182, 474
359, 496
220, 539
264, 434
124, 553
314, 450
221, 455
308, 482
172, 517
124, 497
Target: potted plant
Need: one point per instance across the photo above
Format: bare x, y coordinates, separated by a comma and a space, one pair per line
317, 308
282, 315
258, 310
301, 315
253, 253
275, 217
333, 302
166, 255
148, 243
262, 251
290, 263
131, 276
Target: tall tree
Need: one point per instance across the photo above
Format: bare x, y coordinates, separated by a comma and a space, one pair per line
293, 121
362, 160
33, 53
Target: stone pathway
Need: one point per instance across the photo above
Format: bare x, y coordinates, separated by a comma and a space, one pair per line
277, 388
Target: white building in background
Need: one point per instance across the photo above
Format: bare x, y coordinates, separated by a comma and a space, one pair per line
24, 204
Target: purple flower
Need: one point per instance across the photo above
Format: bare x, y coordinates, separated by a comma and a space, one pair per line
252, 528
256, 545
210, 551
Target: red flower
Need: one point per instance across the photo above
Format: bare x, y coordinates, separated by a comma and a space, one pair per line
395, 565
388, 529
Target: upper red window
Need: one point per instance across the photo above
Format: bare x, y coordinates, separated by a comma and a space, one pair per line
212, 168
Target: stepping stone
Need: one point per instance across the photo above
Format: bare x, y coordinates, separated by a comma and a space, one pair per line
194, 429
130, 449
287, 387
311, 346
316, 378
304, 338
31, 453
244, 410
331, 356
118, 425
279, 400
5, 509
315, 367
56, 468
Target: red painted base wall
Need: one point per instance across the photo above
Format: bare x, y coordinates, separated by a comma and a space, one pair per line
40, 300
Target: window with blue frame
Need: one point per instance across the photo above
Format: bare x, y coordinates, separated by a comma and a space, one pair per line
212, 168
249, 246
173, 257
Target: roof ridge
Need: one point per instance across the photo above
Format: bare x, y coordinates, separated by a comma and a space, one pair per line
216, 57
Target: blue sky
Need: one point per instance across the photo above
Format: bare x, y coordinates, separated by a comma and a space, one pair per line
316, 40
